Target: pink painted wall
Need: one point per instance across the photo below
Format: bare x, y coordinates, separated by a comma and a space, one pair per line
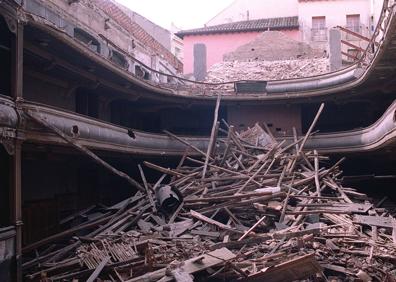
219, 44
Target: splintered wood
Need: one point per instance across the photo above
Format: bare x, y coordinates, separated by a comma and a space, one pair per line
250, 208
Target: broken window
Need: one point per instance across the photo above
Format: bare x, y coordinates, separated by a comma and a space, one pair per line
319, 30
87, 39
139, 72
119, 59
142, 73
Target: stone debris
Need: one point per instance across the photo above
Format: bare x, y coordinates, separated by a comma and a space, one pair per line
266, 70
273, 46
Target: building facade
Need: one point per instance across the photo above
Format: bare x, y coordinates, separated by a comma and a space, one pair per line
221, 39
315, 19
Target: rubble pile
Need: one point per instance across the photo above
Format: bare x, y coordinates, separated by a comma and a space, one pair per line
250, 208
273, 46
266, 70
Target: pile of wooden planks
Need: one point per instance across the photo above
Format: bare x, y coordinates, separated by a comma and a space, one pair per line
251, 208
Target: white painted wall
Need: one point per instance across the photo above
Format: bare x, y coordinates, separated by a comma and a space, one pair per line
376, 8
257, 9
335, 12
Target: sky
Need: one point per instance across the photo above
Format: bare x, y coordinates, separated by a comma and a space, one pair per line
185, 14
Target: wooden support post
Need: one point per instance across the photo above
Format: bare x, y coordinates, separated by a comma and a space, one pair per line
212, 136
16, 204
311, 128
147, 187
17, 64
16, 188
228, 144
317, 183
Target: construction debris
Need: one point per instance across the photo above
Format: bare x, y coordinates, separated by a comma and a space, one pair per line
271, 56
251, 208
266, 70
274, 46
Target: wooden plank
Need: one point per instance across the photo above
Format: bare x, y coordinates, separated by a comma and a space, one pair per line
311, 128
226, 198
358, 35
212, 139
206, 219
317, 183
175, 229
190, 266
348, 207
206, 233
84, 150
374, 220
337, 268
251, 229
148, 191
181, 140
162, 169
296, 269
352, 45
98, 269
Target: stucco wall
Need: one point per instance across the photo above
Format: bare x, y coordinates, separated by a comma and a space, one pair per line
258, 9
335, 12
219, 44
161, 34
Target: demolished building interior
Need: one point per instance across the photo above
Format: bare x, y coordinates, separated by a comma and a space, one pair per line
90, 120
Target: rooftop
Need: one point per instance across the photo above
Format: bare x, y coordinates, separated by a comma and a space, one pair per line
245, 26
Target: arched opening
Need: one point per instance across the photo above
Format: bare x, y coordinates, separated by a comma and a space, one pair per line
119, 59
87, 39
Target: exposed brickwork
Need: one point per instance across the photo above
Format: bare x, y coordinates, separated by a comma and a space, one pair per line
116, 14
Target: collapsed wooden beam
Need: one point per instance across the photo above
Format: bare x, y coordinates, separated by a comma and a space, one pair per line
84, 150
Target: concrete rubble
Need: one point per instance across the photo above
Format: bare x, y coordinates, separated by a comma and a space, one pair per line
266, 70
273, 46
271, 56
250, 208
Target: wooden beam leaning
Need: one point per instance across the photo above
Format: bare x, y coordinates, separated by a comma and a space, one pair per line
98, 270
84, 150
311, 128
181, 140
212, 136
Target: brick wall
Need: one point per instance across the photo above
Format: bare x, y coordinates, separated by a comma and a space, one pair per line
117, 15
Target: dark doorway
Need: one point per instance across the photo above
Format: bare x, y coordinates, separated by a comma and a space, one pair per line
4, 188
5, 58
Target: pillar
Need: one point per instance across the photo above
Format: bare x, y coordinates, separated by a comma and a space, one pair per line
335, 49
16, 162
200, 61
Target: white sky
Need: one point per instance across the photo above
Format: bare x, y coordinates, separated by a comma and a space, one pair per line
185, 14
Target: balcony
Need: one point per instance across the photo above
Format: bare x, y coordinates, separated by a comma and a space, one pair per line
355, 33
358, 29
319, 34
